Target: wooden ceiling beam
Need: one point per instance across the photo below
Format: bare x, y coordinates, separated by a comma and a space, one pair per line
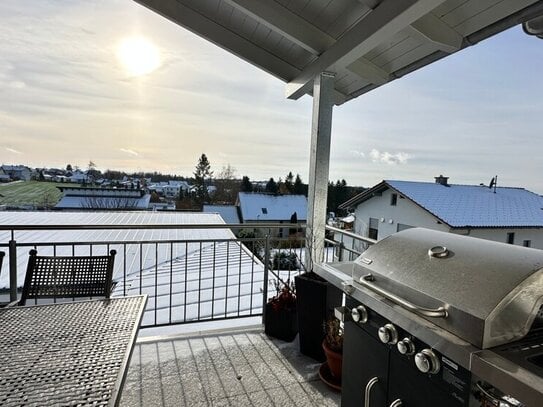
283, 21
192, 20
387, 19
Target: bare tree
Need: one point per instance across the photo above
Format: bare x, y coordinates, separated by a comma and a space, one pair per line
227, 185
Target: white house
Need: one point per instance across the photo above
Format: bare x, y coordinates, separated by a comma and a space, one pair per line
79, 177
502, 214
170, 189
257, 208
17, 172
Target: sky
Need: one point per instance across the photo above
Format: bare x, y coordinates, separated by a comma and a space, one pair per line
68, 94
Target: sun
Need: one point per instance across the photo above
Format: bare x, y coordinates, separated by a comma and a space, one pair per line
138, 56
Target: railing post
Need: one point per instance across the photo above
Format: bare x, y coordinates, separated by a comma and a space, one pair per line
266, 267
340, 253
12, 269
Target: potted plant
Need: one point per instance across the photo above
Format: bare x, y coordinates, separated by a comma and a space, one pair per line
315, 300
280, 318
333, 346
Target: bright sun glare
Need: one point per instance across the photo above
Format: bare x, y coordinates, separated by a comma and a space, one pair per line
138, 56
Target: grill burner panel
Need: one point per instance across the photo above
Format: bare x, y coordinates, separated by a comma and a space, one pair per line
486, 293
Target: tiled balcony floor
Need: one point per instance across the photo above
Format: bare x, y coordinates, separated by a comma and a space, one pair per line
225, 368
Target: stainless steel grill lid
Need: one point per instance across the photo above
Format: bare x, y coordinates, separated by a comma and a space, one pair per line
485, 292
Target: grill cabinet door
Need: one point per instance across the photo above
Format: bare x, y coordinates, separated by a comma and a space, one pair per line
363, 359
414, 388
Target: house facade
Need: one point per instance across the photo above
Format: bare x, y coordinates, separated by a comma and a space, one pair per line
256, 208
16, 172
502, 214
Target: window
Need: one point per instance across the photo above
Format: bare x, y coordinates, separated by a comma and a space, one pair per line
373, 229
527, 243
265, 211
511, 238
394, 199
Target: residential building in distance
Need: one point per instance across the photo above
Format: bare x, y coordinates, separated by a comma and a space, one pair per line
255, 208
103, 199
162, 206
170, 189
79, 177
16, 172
502, 214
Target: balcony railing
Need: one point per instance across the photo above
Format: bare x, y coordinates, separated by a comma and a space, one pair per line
188, 279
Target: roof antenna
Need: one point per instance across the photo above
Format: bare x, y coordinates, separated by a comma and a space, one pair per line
493, 183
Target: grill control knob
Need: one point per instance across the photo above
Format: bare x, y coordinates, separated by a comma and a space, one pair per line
359, 314
406, 346
427, 361
388, 334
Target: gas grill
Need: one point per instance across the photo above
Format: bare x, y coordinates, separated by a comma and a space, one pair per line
438, 319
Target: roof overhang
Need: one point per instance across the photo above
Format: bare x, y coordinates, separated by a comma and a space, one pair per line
365, 43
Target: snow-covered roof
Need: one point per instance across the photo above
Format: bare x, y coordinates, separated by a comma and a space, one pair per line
198, 284
266, 207
132, 250
462, 206
228, 212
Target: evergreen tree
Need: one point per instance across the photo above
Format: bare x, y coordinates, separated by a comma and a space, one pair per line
69, 167
298, 187
246, 185
201, 175
289, 182
271, 186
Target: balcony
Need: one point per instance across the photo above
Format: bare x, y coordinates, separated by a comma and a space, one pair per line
208, 279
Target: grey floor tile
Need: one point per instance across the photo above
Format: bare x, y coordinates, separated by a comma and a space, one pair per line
225, 369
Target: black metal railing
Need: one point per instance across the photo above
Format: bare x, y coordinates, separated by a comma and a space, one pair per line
187, 280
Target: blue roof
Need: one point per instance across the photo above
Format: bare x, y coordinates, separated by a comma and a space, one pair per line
268, 208
474, 205
229, 213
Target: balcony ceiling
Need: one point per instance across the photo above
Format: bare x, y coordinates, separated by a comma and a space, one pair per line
366, 43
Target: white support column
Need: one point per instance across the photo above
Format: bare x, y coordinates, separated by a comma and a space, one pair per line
319, 163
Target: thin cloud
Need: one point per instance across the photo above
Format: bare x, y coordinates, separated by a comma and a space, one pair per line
128, 151
389, 158
358, 153
17, 84
12, 150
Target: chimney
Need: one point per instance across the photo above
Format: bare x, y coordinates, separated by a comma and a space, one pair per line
442, 180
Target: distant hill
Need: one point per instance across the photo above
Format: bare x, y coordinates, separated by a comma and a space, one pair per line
31, 193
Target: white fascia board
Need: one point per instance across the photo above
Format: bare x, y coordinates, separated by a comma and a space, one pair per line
281, 20
387, 19
179, 13
431, 29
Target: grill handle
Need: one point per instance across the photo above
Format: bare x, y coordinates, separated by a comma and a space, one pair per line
368, 282
367, 393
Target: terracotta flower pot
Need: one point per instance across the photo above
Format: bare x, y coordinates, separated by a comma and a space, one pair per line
334, 360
